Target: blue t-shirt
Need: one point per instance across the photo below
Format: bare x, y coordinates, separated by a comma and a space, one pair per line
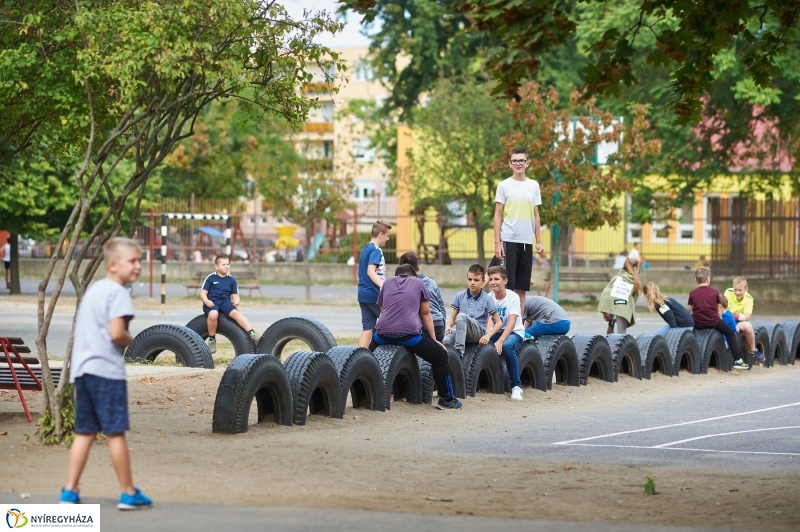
367, 290
729, 320
478, 308
220, 288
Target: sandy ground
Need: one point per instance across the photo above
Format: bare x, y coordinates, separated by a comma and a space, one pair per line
400, 460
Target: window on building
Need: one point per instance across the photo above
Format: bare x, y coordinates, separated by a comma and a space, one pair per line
363, 71
686, 223
711, 207
660, 227
363, 152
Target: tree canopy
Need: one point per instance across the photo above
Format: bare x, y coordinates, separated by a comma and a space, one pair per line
689, 37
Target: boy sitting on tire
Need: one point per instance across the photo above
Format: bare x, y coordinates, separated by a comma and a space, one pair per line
740, 303
220, 293
405, 310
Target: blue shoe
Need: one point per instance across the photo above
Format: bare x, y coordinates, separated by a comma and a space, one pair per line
134, 502
759, 356
452, 403
70, 497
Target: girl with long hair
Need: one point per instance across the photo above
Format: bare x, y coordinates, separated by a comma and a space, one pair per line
618, 300
673, 312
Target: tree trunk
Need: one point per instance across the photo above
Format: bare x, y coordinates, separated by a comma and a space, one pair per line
308, 263
480, 229
563, 234
14, 242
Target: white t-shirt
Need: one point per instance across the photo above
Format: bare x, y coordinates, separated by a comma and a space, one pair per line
519, 199
93, 351
7, 252
633, 254
508, 306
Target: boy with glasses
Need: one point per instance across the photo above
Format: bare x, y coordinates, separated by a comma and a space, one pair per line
516, 224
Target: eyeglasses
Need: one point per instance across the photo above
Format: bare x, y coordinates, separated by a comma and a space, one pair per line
518, 161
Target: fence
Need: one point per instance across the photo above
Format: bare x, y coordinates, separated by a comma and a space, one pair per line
739, 237
757, 239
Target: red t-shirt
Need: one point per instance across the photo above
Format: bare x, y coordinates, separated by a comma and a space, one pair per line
704, 301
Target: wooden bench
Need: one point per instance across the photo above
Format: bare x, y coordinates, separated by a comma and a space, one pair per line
576, 278
245, 279
21, 373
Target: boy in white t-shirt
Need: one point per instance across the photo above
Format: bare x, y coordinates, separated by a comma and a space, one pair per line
98, 372
508, 340
516, 224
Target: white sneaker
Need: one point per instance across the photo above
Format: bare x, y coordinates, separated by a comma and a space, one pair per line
516, 393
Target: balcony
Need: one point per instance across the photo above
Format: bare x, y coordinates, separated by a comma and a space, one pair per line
317, 88
319, 127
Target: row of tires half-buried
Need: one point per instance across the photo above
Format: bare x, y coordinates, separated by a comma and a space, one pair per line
188, 343
320, 383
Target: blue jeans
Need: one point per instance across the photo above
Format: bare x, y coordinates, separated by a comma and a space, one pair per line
538, 329
510, 347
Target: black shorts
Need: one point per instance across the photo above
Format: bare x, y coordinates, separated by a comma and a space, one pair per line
226, 307
8, 264
518, 264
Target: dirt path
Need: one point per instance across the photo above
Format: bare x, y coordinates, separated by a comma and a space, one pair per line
400, 460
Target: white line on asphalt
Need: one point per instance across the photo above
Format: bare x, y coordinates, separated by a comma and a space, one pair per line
663, 445
568, 442
675, 449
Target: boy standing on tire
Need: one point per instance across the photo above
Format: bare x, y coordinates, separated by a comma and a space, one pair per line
371, 275
437, 303
220, 293
705, 304
740, 303
516, 224
405, 311
509, 338
98, 372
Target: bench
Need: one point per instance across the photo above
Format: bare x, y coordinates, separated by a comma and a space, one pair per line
21, 373
576, 278
245, 279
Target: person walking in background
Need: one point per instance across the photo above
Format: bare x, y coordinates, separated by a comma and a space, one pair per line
673, 312
7, 263
618, 300
516, 224
619, 260
371, 275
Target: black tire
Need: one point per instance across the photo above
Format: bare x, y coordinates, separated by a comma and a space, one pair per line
360, 376
655, 355
763, 344
190, 350
594, 357
456, 372
713, 350
791, 330
560, 360
625, 355
242, 342
309, 330
485, 370
426, 378
400, 373
315, 386
262, 377
778, 349
531, 368
683, 350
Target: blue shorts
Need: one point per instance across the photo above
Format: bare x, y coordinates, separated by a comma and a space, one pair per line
369, 315
101, 405
226, 307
